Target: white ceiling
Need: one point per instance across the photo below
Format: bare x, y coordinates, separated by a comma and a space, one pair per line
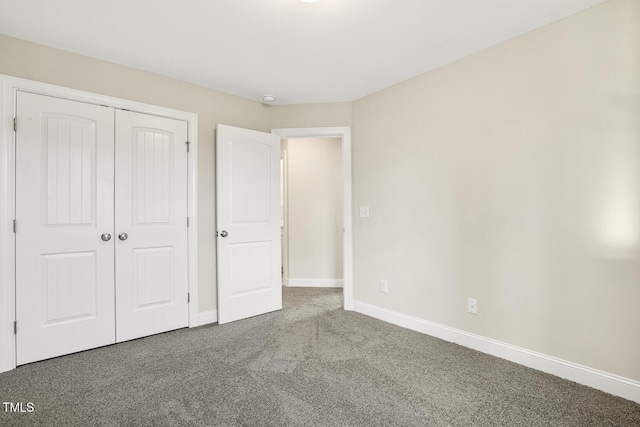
333, 50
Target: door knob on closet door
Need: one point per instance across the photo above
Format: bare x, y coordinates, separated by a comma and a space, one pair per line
224, 233
106, 237
123, 236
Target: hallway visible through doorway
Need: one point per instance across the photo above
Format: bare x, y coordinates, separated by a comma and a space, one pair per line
312, 207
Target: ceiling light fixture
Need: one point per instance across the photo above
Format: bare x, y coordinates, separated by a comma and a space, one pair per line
267, 98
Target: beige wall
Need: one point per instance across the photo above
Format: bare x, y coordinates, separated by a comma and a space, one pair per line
314, 208
311, 115
36, 62
513, 177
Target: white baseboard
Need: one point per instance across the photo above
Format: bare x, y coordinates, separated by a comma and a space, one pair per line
205, 318
315, 283
610, 383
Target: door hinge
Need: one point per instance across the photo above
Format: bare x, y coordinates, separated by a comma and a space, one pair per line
15, 328
188, 297
188, 142
187, 222
15, 124
15, 226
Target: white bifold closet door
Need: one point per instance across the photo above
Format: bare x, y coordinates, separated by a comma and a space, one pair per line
150, 224
64, 205
101, 252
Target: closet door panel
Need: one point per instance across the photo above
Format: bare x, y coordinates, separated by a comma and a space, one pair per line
64, 210
151, 225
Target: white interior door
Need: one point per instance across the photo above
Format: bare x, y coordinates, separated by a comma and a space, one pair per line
64, 204
151, 225
248, 223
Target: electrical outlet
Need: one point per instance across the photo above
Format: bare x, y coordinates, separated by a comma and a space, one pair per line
364, 211
384, 286
472, 306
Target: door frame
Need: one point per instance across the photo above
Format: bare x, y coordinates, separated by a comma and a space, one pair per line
344, 133
9, 86
284, 179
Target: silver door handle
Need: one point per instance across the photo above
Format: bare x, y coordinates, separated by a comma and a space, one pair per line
123, 236
106, 237
224, 233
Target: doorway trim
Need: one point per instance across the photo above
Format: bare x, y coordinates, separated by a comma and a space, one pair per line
345, 134
284, 203
9, 87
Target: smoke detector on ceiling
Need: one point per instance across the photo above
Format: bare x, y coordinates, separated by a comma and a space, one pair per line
267, 98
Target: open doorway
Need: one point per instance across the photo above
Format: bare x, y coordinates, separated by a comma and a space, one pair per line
312, 223
316, 211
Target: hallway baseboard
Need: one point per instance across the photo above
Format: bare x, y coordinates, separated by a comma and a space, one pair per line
206, 317
315, 283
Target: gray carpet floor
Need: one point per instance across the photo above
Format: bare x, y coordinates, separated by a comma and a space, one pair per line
311, 364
